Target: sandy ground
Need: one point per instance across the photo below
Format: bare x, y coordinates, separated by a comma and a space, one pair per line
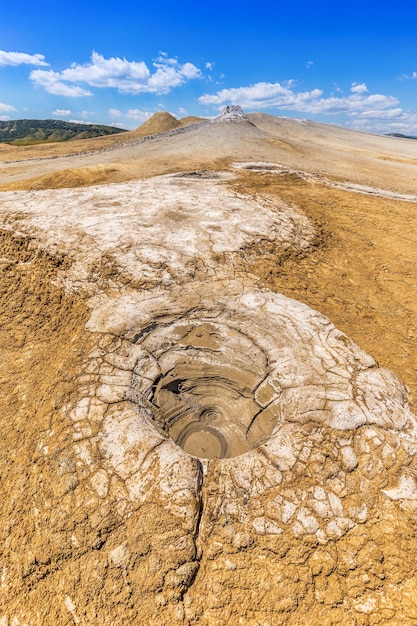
105, 520
384, 162
361, 274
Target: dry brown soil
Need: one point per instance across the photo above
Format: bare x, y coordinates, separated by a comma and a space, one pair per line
361, 273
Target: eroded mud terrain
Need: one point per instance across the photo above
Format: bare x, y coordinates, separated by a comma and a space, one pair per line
183, 443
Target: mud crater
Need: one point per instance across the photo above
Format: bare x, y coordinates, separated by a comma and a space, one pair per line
205, 394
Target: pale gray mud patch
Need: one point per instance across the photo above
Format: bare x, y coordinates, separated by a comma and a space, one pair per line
244, 384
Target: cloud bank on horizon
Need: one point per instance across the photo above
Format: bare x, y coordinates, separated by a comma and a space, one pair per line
104, 80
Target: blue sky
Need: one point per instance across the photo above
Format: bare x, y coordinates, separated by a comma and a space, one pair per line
353, 63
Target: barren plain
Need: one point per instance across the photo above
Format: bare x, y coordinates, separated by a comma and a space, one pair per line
209, 376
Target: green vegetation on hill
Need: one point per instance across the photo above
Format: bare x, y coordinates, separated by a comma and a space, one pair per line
26, 132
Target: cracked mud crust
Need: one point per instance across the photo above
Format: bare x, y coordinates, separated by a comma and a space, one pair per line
184, 443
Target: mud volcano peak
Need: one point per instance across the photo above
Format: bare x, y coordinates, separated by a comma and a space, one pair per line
231, 113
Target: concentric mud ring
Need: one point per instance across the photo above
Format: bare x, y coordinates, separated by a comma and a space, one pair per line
204, 394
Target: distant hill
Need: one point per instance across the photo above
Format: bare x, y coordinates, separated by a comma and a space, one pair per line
26, 132
191, 119
160, 122
401, 136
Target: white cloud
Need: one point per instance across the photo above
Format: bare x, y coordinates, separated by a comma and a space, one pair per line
209, 65
388, 114
351, 105
284, 96
6, 108
169, 74
137, 114
128, 77
133, 114
412, 76
101, 72
362, 88
386, 121
117, 125
262, 95
82, 122
51, 82
309, 64
115, 113
4, 118
62, 113
21, 58
190, 71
